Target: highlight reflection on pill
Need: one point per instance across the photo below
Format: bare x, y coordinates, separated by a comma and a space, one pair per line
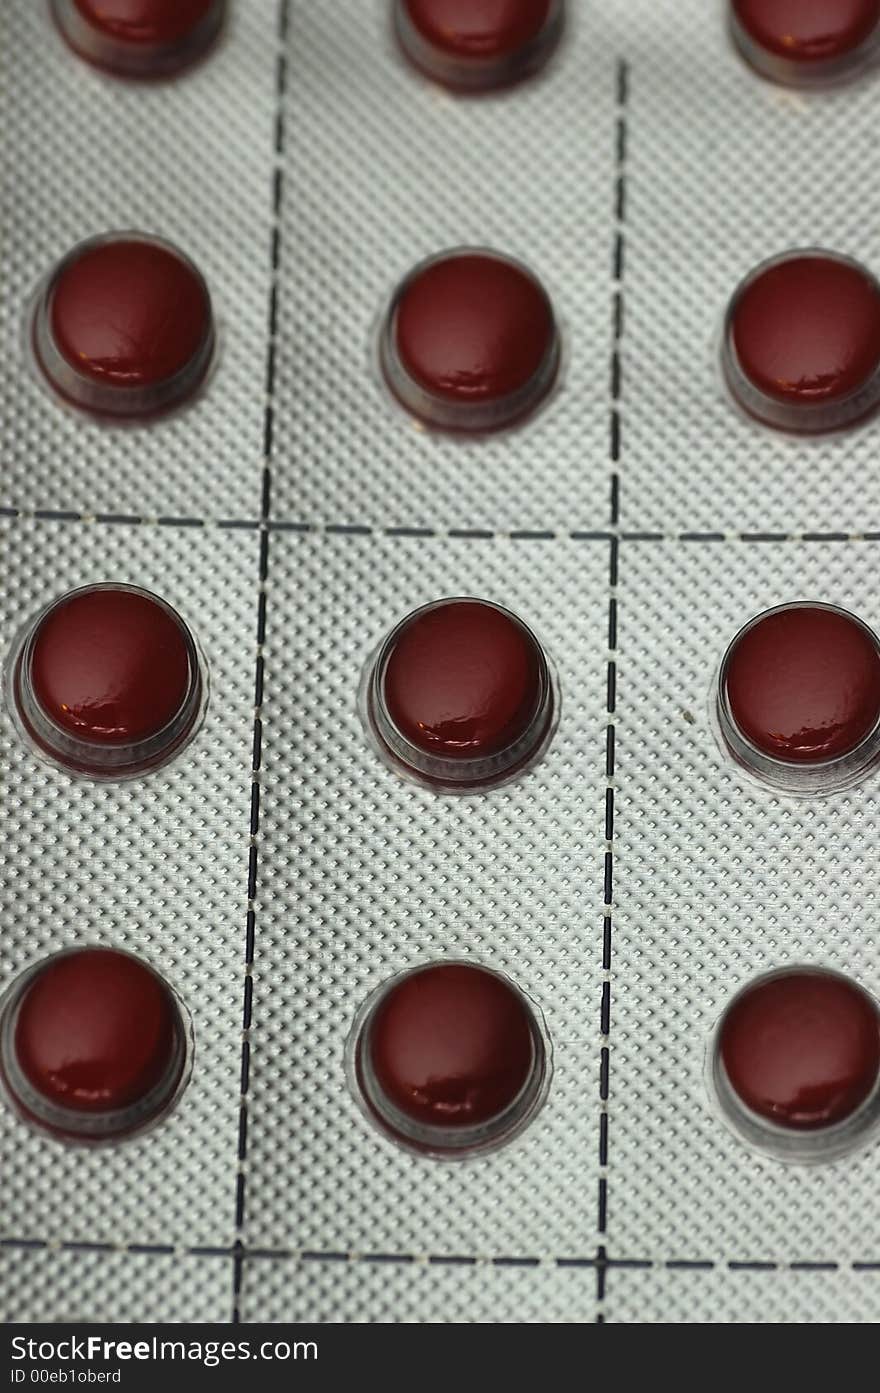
798, 698
797, 1061
140, 38
449, 1058
107, 682
460, 696
806, 43
801, 347
470, 341
476, 45
93, 1045
123, 328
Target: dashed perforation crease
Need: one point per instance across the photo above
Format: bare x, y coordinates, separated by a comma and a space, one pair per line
279, 872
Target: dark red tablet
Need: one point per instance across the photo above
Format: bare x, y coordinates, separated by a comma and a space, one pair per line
470, 342
476, 45
93, 1044
108, 681
125, 328
803, 42
801, 1048
803, 683
802, 347
461, 693
140, 38
450, 1057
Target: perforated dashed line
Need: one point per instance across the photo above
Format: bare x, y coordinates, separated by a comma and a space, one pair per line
602, 1262
256, 759
617, 298
311, 1255
618, 317
122, 519
135, 1249
475, 534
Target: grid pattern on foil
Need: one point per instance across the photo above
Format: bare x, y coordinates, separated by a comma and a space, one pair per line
316, 1292
663, 1295
726, 169
385, 169
189, 160
364, 874
717, 881
131, 1288
154, 866
709, 189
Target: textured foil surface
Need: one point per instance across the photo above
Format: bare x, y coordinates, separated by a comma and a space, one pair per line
278, 872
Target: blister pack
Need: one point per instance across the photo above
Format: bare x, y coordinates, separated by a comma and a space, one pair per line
473, 937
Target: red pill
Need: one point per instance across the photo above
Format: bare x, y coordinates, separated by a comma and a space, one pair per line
108, 681
124, 327
478, 44
801, 1048
806, 41
93, 1044
450, 1057
802, 348
461, 695
463, 679
140, 38
803, 683
470, 342
808, 329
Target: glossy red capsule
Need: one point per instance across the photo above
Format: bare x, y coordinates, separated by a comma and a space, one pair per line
460, 695
806, 42
799, 696
449, 1058
107, 681
802, 342
799, 1049
476, 45
140, 38
93, 1044
124, 327
470, 341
